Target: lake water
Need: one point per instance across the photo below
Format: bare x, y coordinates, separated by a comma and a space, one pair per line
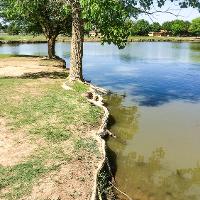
155, 113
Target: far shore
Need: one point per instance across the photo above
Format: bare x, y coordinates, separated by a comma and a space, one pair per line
14, 39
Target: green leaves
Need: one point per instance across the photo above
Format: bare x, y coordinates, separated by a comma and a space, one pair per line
155, 26
50, 16
141, 27
108, 17
195, 27
180, 27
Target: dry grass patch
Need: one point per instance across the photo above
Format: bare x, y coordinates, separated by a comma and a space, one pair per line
15, 147
48, 149
15, 66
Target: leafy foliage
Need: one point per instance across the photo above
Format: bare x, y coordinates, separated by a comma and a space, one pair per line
52, 17
167, 26
180, 27
141, 27
155, 27
195, 27
108, 17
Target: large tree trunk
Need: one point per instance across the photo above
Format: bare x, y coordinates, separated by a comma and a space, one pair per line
51, 47
76, 43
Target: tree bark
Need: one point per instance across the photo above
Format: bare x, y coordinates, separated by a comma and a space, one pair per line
76, 43
51, 47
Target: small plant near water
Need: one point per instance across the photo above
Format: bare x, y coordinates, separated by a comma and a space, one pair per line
104, 188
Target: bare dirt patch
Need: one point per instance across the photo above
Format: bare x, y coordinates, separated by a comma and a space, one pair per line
15, 147
19, 66
72, 181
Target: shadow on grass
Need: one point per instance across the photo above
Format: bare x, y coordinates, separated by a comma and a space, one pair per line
28, 56
19, 56
51, 75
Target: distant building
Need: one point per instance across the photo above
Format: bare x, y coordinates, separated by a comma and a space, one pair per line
94, 34
159, 34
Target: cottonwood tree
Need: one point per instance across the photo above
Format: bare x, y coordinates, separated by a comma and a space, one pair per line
155, 27
180, 27
195, 27
47, 16
141, 27
109, 18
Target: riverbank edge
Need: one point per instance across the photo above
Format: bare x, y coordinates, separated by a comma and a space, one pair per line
96, 99
130, 39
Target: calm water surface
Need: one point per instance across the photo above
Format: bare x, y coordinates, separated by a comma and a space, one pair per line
155, 113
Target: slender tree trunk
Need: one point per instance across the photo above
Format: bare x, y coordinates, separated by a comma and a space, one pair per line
51, 47
76, 43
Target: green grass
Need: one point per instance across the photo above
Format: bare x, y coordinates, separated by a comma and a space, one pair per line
5, 55
52, 133
29, 38
160, 39
88, 144
20, 178
22, 38
54, 104
44, 110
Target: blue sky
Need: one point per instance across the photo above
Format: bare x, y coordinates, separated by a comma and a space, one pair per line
184, 14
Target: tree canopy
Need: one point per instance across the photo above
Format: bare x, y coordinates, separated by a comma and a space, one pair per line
174, 28
141, 27
155, 27
180, 27
195, 27
47, 16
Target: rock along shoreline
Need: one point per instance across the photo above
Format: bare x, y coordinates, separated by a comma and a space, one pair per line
96, 99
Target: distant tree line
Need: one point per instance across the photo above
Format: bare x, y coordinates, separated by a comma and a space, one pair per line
174, 28
137, 28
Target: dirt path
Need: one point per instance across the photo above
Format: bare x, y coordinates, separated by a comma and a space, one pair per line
22, 66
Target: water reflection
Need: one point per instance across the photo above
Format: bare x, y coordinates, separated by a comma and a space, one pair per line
154, 84
195, 52
152, 74
151, 180
145, 170
123, 120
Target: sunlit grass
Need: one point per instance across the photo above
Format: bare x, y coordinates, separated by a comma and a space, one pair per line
22, 37
43, 109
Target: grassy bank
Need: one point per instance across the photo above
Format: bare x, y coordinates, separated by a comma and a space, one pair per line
162, 39
21, 38
41, 39
47, 149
